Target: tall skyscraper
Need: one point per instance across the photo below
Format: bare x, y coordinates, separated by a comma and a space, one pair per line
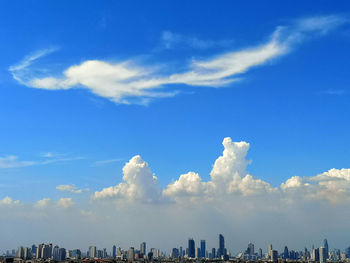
114, 252
269, 251
46, 251
323, 255
315, 256
191, 248
274, 255
285, 253
143, 249
213, 252
250, 249
221, 249
325, 245
203, 249
39, 250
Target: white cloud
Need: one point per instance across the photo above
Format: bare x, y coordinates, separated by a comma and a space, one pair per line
8, 201
231, 201
127, 82
12, 161
65, 202
139, 184
69, 188
43, 203
189, 184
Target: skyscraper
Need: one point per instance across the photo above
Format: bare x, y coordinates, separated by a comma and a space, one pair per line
92, 252
221, 249
203, 249
269, 251
285, 253
325, 245
131, 254
143, 248
250, 249
39, 250
323, 255
274, 255
114, 252
213, 252
191, 248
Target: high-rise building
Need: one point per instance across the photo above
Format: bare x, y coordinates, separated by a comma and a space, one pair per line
180, 252
197, 252
33, 249
46, 251
323, 254
250, 249
175, 253
203, 249
131, 254
274, 255
143, 249
191, 248
285, 253
20, 253
119, 253
325, 245
221, 249
76, 254
269, 250
55, 253
315, 256
114, 252
260, 254
213, 252
38, 251
92, 252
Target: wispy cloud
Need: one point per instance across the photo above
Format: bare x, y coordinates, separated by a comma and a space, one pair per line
69, 188
334, 92
171, 40
22, 71
131, 82
12, 161
106, 162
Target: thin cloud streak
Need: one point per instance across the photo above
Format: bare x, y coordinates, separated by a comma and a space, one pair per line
106, 162
12, 161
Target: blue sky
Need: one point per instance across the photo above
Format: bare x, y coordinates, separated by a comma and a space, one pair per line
291, 106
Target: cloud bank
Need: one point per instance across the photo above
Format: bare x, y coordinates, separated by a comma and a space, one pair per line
131, 82
232, 202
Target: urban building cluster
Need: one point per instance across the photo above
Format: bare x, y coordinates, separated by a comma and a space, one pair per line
48, 252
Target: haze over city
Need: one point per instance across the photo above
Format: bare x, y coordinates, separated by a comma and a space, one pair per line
125, 122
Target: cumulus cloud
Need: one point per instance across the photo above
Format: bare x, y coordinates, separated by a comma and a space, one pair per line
232, 202
65, 202
139, 183
69, 188
8, 201
43, 203
131, 82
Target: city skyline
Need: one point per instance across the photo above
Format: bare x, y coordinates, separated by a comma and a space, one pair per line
46, 251
129, 121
